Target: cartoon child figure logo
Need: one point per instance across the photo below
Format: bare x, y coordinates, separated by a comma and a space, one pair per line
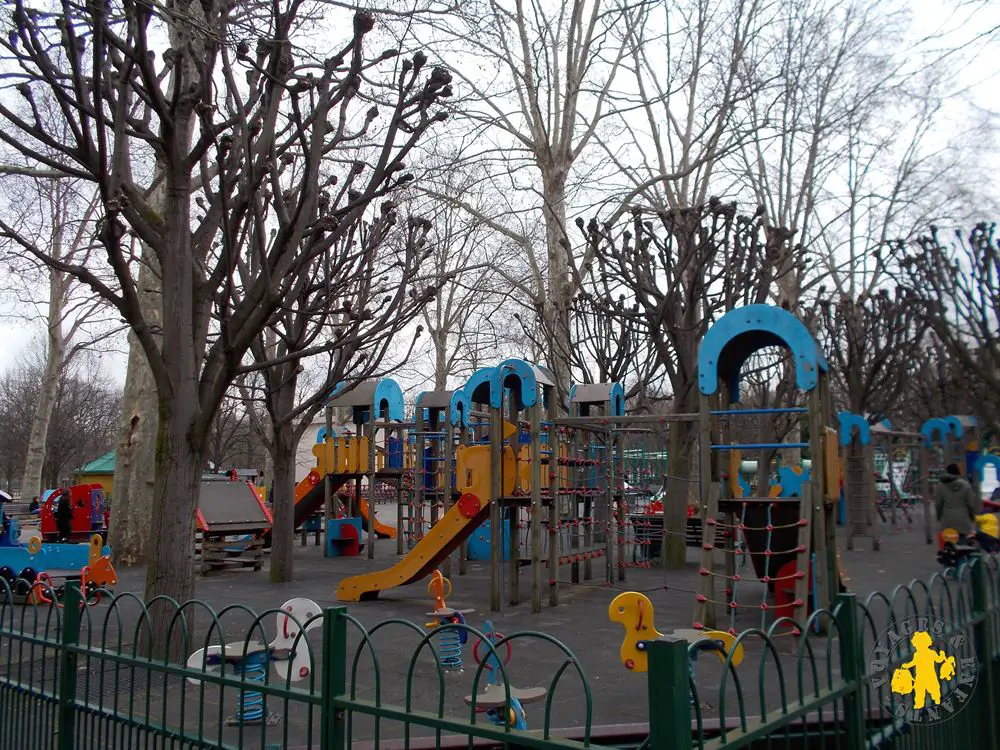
937, 679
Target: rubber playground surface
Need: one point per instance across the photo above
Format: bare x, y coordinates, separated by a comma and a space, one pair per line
580, 622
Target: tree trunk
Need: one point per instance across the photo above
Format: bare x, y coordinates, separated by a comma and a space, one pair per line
170, 574
555, 307
283, 497
680, 461
440, 339
135, 458
31, 484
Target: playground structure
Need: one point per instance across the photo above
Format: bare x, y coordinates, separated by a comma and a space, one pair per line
227, 510
36, 571
450, 640
491, 472
88, 512
875, 455
493, 698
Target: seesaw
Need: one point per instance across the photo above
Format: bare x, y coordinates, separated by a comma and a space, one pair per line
635, 612
493, 698
450, 640
289, 654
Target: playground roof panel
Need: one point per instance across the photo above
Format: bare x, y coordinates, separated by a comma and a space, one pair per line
434, 400
231, 507
385, 396
101, 465
582, 394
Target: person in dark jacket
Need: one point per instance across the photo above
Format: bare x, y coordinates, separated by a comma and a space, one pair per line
64, 518
956, 503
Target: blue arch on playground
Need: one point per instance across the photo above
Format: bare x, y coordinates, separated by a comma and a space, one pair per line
477, 389
460, 407
848, 422
744, 331
987, 459
617, 398
957, 428
388, 401
520, 378
321, 435
936, 426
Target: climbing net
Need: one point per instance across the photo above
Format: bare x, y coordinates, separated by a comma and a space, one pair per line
753, 564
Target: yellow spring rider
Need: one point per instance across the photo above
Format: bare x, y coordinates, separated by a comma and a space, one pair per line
635, 612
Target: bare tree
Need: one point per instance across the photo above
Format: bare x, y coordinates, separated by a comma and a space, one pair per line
350, 305
694, 64
956, 290
539, 76
82, 421
56, 218
676, 275
231, 131
870, 343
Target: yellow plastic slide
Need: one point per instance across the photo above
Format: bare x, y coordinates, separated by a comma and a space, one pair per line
464, 517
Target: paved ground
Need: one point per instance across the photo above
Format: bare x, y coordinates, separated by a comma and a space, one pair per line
581, 623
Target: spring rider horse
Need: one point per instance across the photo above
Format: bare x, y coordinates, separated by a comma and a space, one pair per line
288, 652
493, 698
635, 612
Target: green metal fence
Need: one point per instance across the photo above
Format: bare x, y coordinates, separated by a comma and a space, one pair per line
83, 677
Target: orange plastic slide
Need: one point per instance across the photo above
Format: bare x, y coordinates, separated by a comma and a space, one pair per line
309, 495
464, 517
382, 531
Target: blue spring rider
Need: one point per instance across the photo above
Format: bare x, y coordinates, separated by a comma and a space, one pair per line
450, 640
493, 698
288, 652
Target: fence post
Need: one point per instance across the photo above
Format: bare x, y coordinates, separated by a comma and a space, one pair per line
69, 636
333, 732
669, 694
845, 612
985, 651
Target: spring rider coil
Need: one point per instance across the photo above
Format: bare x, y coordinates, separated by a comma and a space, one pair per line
288, 652
450, 639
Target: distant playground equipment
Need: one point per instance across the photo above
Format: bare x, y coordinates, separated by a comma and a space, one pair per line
886, 473
288, 653
86, 516
342, 461
511, 479
36, 572
492, 699
450, 640
634, 611
232, 521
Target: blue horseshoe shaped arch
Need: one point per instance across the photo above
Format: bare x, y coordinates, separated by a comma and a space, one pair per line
743, 332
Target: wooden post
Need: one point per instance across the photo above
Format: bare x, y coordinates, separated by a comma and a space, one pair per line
553, 519
451, 477
329, 511
704, 611
444, 475
372, 473
513, 512
496, 492
536, 505
419, 490
925, 490
807, 504
824, 564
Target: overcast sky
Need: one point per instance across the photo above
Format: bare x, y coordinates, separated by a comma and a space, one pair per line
981, 78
